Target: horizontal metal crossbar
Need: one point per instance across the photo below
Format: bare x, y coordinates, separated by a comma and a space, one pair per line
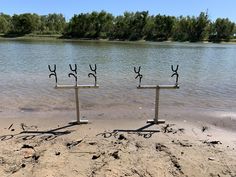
158, 87
76, 86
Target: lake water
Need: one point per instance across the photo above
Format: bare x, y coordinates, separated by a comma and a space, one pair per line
207, 75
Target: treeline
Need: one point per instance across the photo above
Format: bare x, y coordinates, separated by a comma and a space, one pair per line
18, 25
129, 26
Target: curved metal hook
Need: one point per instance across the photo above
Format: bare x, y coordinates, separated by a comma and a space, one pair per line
93, 74
95, 68
175, 74
53, 72
95, 77
138, 75
73, 73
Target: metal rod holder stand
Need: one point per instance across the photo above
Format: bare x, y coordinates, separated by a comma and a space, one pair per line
156, 119
76, 87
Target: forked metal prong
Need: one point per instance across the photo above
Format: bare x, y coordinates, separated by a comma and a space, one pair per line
93, 74
139, 68
174, 70
175, 74
138, 75
73, 73
53, 72
73, 70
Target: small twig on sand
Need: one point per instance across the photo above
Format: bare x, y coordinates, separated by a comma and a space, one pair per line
204, 128
211, 143
10, 126
83, 152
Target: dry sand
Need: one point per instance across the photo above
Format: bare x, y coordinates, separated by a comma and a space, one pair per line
113, 145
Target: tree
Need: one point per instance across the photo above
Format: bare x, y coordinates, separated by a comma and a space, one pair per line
91, 25
104, 24
191, 28
137, 25
52, 23
162, 27
121, 27
197, 31
130, 26
180, 29
221, 29
78, 26
5, 23
25, 23
149, 28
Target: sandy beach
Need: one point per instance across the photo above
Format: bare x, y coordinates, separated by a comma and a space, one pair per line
116, 143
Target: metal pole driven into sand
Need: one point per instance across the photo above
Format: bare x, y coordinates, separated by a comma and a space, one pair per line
156, 119
76, 87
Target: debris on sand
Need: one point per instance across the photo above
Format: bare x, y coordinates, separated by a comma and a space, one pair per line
27, 146
160, 147
115, 155
73, 143
25, 127
10, 126
95, 157
211, 158
211, 143
204, 128
122, 137
183, 144
35, 157
168, 129
57, 153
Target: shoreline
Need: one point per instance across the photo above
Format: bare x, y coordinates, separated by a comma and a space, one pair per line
60, 39
198, 117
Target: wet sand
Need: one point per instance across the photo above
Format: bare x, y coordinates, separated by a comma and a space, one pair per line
116, 142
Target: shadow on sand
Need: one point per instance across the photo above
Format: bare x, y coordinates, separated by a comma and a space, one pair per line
142, 131
45, 135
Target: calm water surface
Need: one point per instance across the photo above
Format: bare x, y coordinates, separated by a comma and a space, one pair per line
207, 75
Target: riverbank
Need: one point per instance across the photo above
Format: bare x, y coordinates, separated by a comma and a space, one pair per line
33, 37
113, 144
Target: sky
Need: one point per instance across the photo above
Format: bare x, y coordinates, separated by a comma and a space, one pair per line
215, 8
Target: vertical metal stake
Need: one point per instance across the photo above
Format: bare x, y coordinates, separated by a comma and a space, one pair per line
79, 121
77, 104
157, 105
156, 120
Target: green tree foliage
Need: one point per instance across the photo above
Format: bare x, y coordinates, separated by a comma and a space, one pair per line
180, 29
129, 26
5, 23
121, 29
159, 28
52, 23
94, 25
222, 29
137, 25
198, 27
77, 26
25, 23
149, 28
191, 28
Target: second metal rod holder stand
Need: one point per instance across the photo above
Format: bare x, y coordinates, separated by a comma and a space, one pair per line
156, 119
